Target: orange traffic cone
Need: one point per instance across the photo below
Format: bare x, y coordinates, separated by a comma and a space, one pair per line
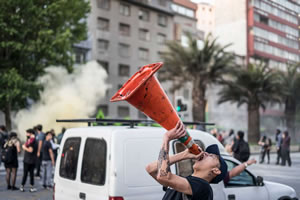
144, 92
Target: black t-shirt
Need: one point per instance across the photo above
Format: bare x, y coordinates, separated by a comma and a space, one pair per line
30, 158
46, 146
200, 188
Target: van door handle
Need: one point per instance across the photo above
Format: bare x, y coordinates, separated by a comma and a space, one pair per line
82, 196
231, 197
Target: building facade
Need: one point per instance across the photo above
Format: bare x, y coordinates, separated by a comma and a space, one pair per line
126, 35
206, 18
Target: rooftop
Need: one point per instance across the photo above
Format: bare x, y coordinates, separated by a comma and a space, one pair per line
186, 3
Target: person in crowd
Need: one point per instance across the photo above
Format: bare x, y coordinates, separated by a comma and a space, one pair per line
60, 136
240, 148
54, 144
278, 139
48, 161
228, 141
285, 149
30, 149
11, 164
237, 170
209, 167
40, 137
3, 138
265, 144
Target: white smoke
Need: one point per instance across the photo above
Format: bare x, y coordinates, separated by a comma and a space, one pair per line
65, 96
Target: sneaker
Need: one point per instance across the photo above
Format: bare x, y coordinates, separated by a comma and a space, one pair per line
8, 187
32, 190
22, 189
14, 188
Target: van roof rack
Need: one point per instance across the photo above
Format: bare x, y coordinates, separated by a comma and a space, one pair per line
130, 122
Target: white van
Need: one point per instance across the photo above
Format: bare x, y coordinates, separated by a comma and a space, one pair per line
108, 163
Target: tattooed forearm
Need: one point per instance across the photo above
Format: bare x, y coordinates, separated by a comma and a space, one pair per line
163, 164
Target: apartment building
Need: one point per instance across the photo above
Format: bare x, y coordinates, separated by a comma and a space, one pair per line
125, 35
205, 15
260, 29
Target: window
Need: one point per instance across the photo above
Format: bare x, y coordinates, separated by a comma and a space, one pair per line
185, 167
143, 54
69, 158
124, 70
123, 111
263, 19
80, 55
104, 64
103, 4
162, 20
93, 168
242, 180
124, 29
144, 34
124, 50
124, 9
144, 15
161, 38
103, 45
103, 24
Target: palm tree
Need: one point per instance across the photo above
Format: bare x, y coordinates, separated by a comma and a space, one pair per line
254, 86
200, 66
290, 81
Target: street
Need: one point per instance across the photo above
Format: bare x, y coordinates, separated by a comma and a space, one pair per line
270, 172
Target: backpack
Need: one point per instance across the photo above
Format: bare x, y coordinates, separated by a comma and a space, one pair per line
244, 151
7, 154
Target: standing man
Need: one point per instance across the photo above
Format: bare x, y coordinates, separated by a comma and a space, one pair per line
285, 149
30, 149
39, 139
240, 148
48, 161
209, 168
278, 139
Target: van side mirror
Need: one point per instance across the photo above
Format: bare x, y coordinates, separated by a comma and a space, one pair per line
259, 181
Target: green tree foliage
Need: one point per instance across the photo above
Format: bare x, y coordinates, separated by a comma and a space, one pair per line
290, 83
33, 35
201, 66
254, 86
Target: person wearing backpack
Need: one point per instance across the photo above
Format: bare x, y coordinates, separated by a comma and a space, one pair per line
10, 157
240, 148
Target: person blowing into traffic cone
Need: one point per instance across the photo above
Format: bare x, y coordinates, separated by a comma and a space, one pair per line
209, 167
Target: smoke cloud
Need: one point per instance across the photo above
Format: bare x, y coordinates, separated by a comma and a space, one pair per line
65, 96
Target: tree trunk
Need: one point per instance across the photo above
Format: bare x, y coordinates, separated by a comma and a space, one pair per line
199, 101
7, 112
290, 116
253, 124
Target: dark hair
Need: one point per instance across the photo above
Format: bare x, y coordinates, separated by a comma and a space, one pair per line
278, 130
241, 134
264, 138
231, 132
286, 133
63, 130
39, 127
48, 132
12, 134
3, 128
31, 131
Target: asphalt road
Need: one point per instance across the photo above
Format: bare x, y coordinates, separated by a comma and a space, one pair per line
281, 174
270, 172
